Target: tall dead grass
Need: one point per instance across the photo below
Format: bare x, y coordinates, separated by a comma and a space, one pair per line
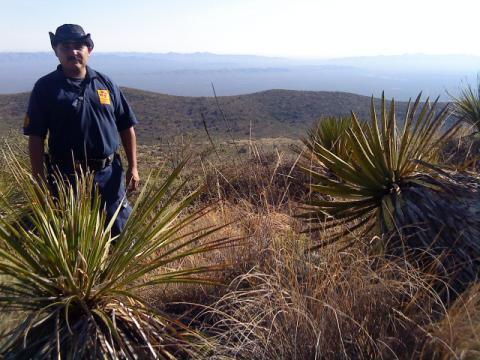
457, 335
284, 302
326, 305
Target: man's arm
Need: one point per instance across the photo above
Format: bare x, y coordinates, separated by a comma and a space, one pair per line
129, 142
35, 149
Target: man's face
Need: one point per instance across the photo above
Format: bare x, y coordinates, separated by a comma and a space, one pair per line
73, 55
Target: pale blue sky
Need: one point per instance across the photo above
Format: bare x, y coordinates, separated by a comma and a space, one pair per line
293, 28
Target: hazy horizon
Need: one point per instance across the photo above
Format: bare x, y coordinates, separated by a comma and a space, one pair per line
306, 58
402, 76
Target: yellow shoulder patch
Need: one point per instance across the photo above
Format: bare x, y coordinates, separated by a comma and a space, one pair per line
104, 97
26, 121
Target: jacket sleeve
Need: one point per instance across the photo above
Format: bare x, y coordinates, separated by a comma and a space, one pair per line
35, 122
125, 118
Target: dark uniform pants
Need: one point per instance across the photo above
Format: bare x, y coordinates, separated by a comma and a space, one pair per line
111, 185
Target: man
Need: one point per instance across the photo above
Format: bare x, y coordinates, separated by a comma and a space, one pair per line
83, 112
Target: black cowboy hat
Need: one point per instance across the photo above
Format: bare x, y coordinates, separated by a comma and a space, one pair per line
70, 33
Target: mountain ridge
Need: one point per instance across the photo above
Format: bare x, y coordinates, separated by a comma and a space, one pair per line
272, 113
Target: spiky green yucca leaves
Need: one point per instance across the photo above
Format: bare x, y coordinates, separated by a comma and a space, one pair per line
77, 293
331, 133
467, 105
368, 188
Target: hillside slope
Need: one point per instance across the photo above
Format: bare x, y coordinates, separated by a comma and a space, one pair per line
273, 113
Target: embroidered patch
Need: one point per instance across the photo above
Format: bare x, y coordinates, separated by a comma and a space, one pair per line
26, 121
104, 97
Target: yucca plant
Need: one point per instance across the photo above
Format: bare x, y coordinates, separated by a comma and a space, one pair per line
388, 186
331, 133
75, 289
467, 105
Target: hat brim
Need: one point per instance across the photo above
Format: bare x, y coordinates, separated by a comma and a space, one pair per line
55, 40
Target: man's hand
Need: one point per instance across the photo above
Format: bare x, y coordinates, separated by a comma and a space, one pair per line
129, 141
132, 178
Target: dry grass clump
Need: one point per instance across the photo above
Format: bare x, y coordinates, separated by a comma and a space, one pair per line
458, 334
462, 152
329, 305
254, 231
261, 179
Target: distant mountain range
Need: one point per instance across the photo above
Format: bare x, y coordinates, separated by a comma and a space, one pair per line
272, 114
400, 76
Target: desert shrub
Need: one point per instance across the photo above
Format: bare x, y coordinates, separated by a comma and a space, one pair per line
263, 178
75, 289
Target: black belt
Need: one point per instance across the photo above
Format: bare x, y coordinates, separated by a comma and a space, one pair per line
68, 164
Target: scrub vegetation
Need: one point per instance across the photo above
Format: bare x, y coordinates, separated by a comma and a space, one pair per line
268, 114
361, 242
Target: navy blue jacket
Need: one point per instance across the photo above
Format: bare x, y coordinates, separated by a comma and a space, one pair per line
85, 119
